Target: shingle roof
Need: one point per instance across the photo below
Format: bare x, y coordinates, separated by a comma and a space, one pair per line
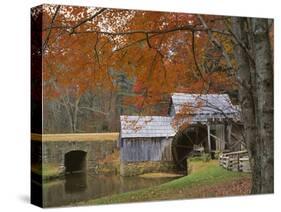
146, 126
204, 106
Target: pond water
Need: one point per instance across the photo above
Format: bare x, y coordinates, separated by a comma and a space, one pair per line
80, 187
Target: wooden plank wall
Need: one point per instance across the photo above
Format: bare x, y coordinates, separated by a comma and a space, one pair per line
146, 149
220, 133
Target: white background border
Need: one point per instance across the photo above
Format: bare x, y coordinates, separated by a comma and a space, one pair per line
15, 102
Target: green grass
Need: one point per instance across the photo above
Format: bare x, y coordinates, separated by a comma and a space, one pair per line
206, 180
49, 170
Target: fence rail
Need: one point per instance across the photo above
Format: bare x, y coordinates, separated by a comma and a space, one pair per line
235, 161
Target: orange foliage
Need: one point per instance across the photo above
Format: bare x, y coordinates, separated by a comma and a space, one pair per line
77, 60
184, 117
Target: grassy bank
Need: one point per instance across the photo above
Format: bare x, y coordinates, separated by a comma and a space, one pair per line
207, 179
47, 171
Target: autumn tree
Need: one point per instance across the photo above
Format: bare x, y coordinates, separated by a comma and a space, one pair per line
160, 53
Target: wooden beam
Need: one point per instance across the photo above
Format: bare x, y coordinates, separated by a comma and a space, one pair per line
236, 153
209, 137
217, 138
229, 126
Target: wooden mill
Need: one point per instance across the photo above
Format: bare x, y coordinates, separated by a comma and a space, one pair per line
194, 123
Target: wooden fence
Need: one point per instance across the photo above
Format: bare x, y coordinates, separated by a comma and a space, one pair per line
235, 161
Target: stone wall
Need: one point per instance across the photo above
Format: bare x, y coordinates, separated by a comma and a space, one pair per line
142, 167
54, 152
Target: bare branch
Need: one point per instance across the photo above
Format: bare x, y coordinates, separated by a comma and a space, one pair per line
95, 49
94, 110
86, 20
237, 41
50, 29
147, 40
215, 42
194, 57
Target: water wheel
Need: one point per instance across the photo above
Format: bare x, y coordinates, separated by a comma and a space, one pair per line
183, 144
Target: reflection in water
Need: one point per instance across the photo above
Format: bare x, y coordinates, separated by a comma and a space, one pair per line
75, 182
84, 186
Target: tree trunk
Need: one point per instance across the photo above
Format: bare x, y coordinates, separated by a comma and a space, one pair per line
68, 112
255, 77
264, 76
75, 114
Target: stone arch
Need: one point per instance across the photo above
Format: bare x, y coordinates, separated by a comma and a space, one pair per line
75, 161
183, 144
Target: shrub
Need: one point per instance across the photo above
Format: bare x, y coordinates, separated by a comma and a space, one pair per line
217, 154
206, 157
195, 158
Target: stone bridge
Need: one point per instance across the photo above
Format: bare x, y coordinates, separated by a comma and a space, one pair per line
57, 154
